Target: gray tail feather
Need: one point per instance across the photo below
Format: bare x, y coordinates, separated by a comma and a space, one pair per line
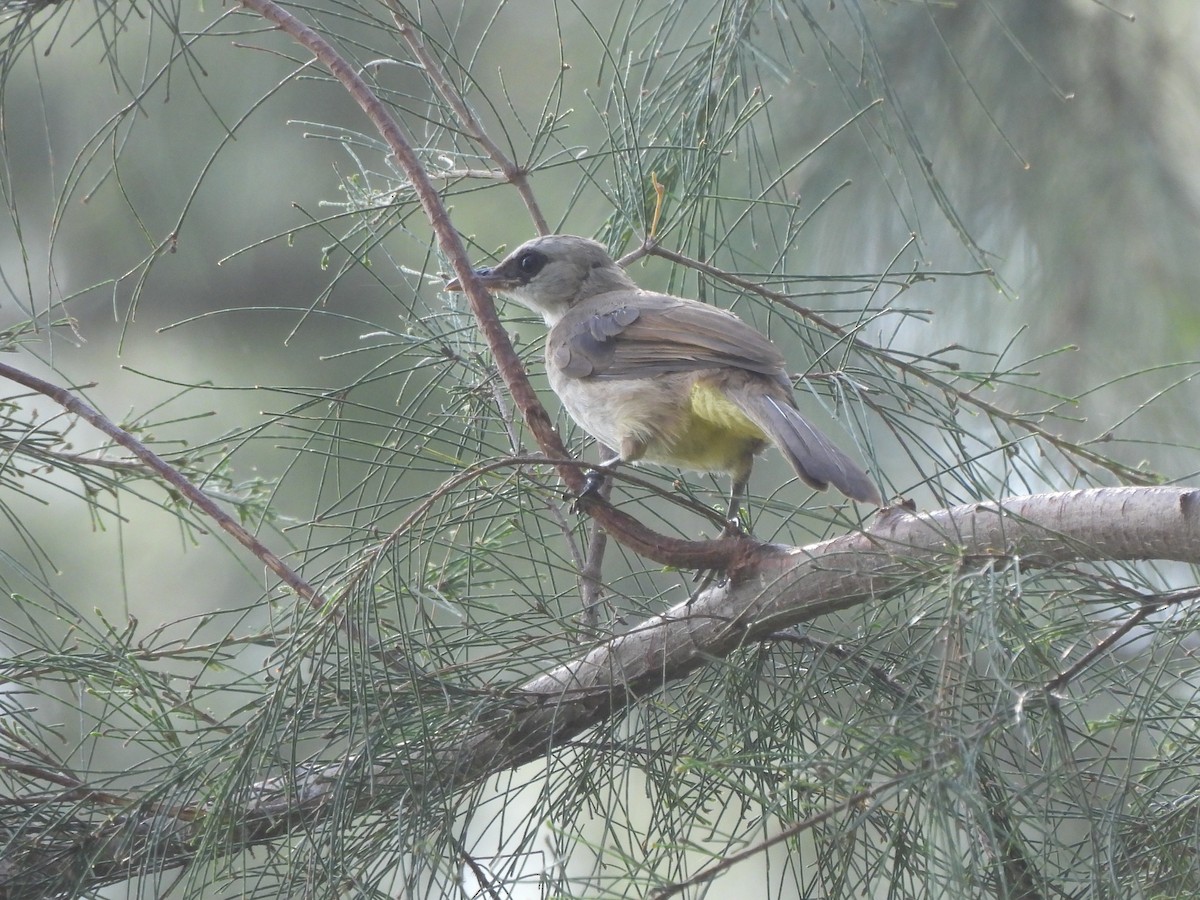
816, 460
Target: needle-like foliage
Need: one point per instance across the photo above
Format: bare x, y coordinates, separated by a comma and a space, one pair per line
453, 681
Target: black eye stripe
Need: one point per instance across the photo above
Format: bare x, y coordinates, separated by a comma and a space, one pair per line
529, 263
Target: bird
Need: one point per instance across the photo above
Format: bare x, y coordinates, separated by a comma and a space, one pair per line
664, 379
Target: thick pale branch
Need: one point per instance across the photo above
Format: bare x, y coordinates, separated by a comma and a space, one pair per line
787, 586
781, 586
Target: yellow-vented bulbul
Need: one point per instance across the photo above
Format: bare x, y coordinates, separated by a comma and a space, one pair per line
661, 378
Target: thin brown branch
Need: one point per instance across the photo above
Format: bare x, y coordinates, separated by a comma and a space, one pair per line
513, 174
156, 465
1148, 606
854, 800
86, 460
74, 790
171, 476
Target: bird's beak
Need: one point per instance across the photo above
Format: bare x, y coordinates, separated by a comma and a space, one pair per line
491, 280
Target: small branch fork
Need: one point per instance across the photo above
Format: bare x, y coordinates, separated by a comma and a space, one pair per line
512, 173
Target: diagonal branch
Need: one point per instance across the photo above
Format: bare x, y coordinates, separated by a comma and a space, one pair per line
150, 461
172, 476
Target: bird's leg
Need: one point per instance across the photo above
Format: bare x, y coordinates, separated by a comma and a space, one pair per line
631, 450
737, 490
705, 578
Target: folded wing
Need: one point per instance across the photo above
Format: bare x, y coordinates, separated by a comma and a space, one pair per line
645, 334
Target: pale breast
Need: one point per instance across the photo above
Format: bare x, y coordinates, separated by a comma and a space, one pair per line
616, 410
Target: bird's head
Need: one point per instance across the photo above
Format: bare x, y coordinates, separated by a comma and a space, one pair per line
552, 273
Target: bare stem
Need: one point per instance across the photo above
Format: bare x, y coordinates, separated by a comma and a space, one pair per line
514, 174
1148, 606
171, 476
860, 799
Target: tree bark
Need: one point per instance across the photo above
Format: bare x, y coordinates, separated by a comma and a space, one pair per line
779, 587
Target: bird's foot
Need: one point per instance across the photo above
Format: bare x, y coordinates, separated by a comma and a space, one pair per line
592, 482
706, 578
733, 528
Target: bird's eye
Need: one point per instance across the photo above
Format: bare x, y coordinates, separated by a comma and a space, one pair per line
530, 262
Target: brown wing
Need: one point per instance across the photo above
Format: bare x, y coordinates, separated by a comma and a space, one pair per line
635, 334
